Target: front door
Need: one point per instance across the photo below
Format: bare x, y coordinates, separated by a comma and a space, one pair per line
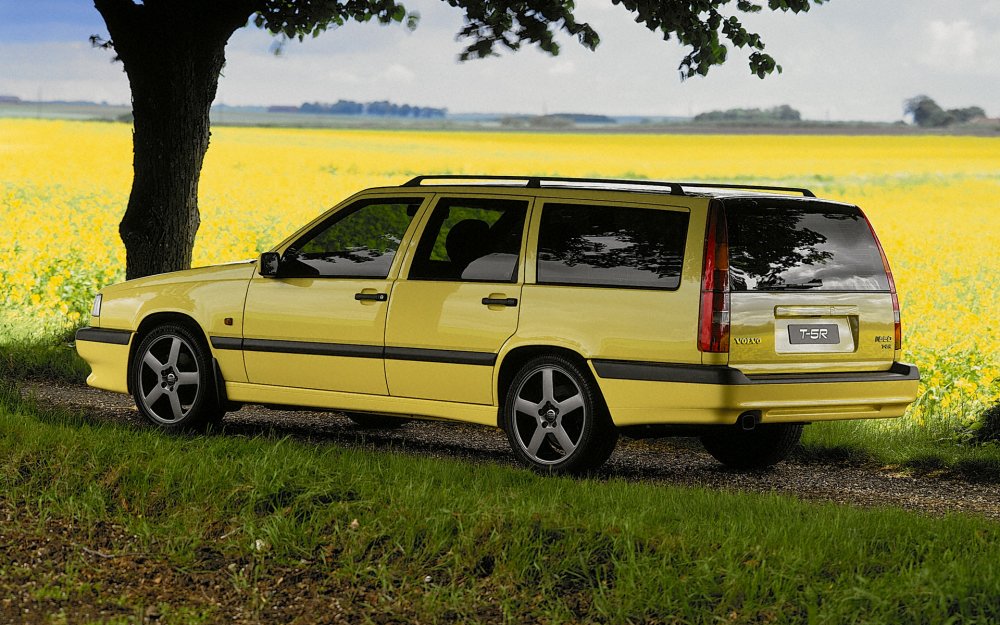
320, 323
458, 303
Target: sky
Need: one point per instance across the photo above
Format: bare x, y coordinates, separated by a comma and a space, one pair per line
844, 60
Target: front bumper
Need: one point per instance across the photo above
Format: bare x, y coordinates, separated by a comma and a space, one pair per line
107, 352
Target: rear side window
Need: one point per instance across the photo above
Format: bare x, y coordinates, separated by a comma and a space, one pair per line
799, 245
471, 239
611, 246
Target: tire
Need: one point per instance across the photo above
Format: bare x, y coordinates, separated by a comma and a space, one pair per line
172, 380
555, 418
759, 448
370, 421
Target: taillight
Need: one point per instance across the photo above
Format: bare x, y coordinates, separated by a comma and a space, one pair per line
713, 323
897, 325
897, 329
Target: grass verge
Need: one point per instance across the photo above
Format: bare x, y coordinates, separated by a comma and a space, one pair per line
923, 450
35, 350
134, 523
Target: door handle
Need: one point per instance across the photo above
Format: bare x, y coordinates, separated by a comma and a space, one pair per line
499, 301
374, 297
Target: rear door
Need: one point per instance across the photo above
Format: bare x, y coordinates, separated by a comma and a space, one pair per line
809, 288
614, 280
458, 301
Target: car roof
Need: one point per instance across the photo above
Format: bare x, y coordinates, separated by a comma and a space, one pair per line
696, 189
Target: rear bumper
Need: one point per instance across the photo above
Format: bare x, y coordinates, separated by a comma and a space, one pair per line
649, 393
106, 351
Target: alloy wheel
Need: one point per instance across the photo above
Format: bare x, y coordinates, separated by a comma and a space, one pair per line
550, 415
169, 380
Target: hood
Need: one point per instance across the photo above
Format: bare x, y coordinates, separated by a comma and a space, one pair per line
240, 270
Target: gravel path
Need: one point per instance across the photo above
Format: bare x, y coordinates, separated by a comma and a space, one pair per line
664, 461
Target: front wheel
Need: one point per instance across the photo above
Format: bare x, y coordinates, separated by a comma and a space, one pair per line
172, 381
555, 419
759, 448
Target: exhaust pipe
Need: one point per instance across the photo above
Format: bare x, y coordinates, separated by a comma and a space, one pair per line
748, 420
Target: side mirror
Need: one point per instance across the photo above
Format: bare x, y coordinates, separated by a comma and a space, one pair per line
269, 262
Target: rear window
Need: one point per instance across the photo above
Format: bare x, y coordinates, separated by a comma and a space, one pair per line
584, 245
799, 245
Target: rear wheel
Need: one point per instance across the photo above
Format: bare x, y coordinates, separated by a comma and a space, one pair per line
761, 447
172, 381
555, 419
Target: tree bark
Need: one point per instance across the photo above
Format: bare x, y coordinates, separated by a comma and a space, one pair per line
173, 54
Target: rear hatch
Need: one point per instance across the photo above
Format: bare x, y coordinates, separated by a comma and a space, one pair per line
810, 288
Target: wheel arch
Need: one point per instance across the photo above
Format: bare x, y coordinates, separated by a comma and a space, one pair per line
512, 361
157, 319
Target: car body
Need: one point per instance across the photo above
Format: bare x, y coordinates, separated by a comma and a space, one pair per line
562, 310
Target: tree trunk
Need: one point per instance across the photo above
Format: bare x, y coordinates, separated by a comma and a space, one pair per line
169, 143
173, 57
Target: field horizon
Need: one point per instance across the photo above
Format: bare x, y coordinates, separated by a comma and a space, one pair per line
258, 117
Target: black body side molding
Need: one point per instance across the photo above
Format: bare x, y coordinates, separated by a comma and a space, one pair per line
104, 335
728, 376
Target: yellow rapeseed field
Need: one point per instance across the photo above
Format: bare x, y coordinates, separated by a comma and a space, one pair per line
933, 200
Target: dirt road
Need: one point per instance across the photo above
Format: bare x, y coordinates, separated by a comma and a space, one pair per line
666, 461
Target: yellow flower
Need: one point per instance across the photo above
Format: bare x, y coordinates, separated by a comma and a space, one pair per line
932, 199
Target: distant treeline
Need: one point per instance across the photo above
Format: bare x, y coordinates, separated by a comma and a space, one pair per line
13, 99
556, 120
927, 113
783, 113
383, 108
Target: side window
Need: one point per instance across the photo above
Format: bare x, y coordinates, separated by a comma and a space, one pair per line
472, 240
611, 246
358, 242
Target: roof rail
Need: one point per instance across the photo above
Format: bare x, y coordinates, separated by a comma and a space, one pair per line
535, 182
675, 188
749, 187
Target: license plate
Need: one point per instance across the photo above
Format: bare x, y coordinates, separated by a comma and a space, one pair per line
813, 334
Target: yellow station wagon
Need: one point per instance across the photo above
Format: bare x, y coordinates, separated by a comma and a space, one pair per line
562, 310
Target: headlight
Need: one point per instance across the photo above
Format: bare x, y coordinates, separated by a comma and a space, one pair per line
96, 310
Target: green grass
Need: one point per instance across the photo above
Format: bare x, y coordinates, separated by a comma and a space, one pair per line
923, 449
31, 349
446, 541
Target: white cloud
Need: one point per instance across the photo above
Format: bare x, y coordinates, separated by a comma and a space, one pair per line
563, 68
588, 8
61, 71
847, 59
398, 73
337, 76
953, 45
